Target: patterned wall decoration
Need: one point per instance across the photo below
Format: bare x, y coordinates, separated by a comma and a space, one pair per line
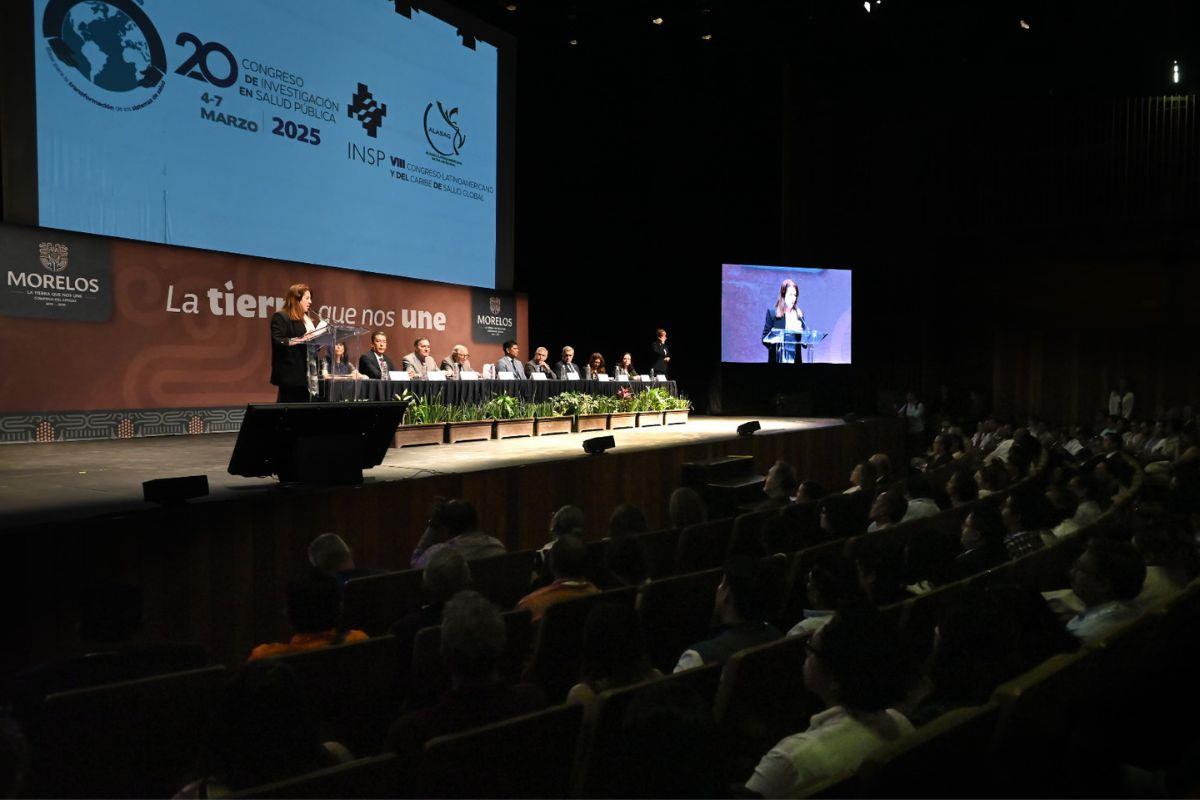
75, 426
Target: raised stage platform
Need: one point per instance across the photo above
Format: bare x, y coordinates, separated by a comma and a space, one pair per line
214, 571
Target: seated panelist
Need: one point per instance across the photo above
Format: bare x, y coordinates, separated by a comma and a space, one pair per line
419, 363
457, 362
623, 369
567, 366
511, 362
539, 363
374, 363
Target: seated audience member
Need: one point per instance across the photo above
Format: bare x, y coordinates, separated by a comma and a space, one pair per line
986, 637
940, 454
458, 362
1026, 519
446, 574
887, 511
928, 558
1082, 489
686, 508
809, 492
668, 747
828, 586
330, 554
919, 493
567, 366
841, 520
454, 525
625, 562
1106, 578
473, 639
883, 470
856, 666
594, 367
262, 731
863, 478
982, 542
991, 478
539, 364
419, 363
314, 609
568, 519
1169, 558
879, 566
624, 368
568, 565
627, 520
613, 653
780, 484
742, 605
1002, 443
961, 488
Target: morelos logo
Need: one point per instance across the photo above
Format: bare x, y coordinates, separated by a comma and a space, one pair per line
53, 256
444, 142
493, 304
368, 112
111, 45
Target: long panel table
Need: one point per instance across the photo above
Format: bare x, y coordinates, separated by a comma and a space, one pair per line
473, 392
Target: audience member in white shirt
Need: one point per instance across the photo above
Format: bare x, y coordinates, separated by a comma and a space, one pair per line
1107, 578
1083, 488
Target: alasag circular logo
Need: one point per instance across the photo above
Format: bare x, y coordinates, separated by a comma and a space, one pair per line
109, 45
442, 132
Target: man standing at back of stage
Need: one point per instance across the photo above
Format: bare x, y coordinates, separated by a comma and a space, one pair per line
660, 355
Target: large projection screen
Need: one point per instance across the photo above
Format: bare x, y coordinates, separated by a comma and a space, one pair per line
369, 134
752, 297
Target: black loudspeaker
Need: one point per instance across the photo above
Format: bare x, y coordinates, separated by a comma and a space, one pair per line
175, 490
314, 443
748, 428
599, 444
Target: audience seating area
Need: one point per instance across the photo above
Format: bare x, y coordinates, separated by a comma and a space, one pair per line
1053, 731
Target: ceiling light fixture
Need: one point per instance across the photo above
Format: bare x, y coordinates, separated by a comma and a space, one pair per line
1024, 25
657, 20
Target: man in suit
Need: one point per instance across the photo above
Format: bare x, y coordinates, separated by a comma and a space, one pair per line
511, 361
660, 355
419, 363
539, 363
373, 363
458, 362
567, 366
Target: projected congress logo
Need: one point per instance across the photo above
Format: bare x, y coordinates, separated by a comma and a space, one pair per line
443, 134
364, 108
106, 45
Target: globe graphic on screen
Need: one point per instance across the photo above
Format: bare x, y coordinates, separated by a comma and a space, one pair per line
108, 47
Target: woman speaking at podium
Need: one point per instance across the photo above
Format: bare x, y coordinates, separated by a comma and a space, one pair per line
783, 325
289, 358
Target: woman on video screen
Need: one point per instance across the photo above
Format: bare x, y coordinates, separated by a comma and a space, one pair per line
783, 325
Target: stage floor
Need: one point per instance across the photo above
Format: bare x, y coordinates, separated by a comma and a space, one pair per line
76, 480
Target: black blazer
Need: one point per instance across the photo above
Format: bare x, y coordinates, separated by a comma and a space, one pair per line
289, 365
658, 354
562, 369
774, 323
368, 364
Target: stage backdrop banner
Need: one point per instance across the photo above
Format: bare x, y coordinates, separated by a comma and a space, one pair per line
186, 343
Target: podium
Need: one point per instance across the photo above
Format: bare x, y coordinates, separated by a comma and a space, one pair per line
320, 343
787, 343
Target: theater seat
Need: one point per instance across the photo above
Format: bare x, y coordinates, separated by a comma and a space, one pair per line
352, 690
133, 739
559, 637
377, 776
660, 549
429, 678
761, 700
703, 546
374, 602
503, 579
600, 751
945, 758
530, 756
676, 613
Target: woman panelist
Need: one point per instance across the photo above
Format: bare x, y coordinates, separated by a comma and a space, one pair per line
594, 367
783, 325
624, 371
340, 364
289, 358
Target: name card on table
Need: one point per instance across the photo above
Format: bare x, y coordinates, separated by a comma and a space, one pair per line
468, 375
435, 375
641, 378
572, 376
398, 374
600, 376
538, 376
661, 378
505, 376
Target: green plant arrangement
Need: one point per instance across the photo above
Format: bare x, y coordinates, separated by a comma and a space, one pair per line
503, 406
469, 412
546, 409
574, 403
680, 403
422, 412
607, 404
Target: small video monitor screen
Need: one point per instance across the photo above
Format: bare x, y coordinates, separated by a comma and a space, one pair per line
785, 315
